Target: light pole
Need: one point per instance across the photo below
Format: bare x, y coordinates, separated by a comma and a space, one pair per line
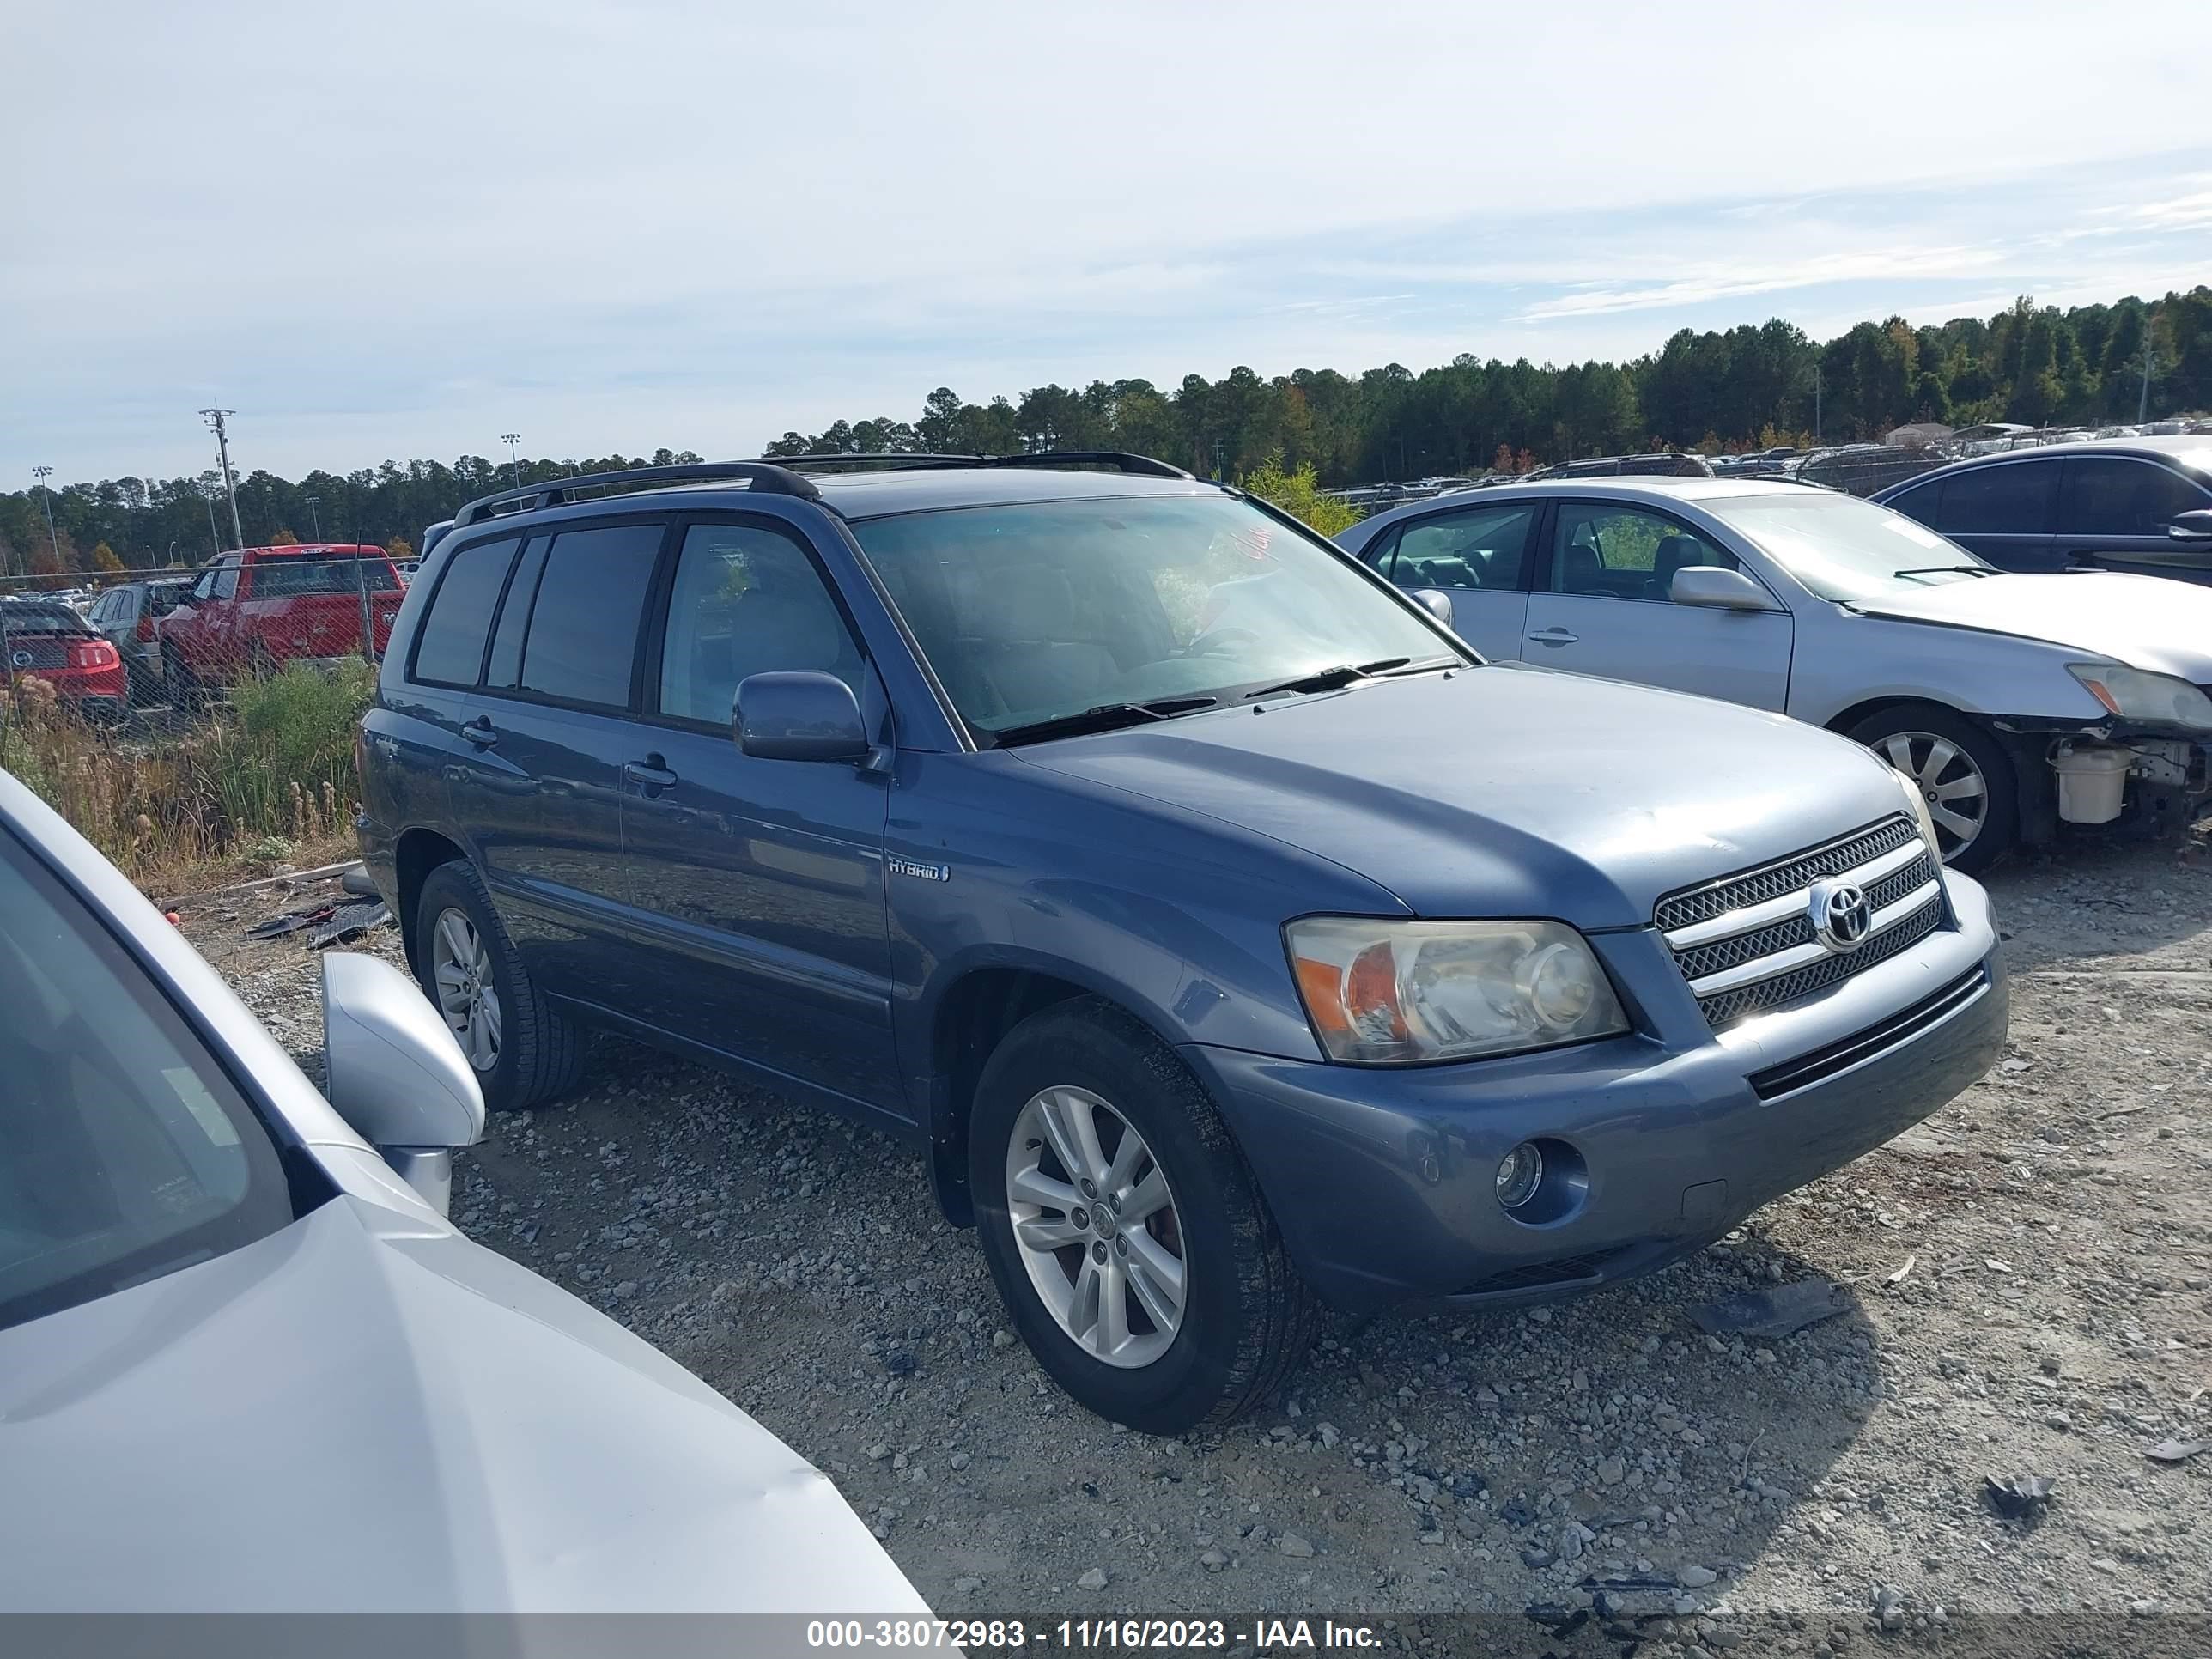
207, 489
513, 454
215, 418
46, 495
315, 512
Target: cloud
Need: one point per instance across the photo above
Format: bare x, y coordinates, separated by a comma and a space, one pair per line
405, 229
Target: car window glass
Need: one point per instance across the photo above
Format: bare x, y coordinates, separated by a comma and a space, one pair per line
582, 642
205, 587
1923, 503
294, 574
746, 600
1474, 548
1603, 551
124, 1150
2012, 500
1034, 612
2113, 496
505, 668
450, 648
226, 582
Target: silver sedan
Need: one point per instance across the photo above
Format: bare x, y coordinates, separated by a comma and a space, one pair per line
246, 1364
2018, 702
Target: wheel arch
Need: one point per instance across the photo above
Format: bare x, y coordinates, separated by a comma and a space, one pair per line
414, 855
968, 1019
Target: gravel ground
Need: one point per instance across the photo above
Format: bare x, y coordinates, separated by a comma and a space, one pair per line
2026, 1276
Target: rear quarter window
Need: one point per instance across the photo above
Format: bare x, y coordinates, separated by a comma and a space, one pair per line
450, 649
2018, 498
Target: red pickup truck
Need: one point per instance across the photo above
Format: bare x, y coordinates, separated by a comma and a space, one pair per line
252, 612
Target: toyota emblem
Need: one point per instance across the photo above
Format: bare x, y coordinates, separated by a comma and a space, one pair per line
1840, 914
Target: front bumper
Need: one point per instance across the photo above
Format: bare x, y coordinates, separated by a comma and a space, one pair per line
1383, 1179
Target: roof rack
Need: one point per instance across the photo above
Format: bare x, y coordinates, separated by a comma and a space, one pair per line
764, 476
1141, 465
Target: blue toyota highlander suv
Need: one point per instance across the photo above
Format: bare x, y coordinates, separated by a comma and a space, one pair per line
1232, 939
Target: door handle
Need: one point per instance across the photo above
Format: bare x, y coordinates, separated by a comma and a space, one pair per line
479, 732
648, 772
1556, 636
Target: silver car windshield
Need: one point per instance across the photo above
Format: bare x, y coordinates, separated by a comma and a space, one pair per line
1036, 614
125, 1152
1845, 549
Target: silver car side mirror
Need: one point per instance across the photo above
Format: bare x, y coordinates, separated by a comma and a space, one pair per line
1436, 602
1718, 589
396, 1074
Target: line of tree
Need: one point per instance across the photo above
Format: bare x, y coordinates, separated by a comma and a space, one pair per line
1746, 387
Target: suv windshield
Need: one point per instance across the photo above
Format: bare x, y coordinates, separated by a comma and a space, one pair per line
1035, 612
124, 1151
1845, 549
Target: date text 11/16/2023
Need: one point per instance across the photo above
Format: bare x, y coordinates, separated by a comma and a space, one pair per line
986, 1636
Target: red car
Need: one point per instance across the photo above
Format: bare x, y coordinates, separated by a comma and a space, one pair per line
45, 639
255, 611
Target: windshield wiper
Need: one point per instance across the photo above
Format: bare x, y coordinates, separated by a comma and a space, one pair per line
1946, 569
1106, 717
1328, 680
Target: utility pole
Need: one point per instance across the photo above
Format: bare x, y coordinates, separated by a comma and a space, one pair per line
1816, 403
46, 495
214, 538
513, 454
2143, 403
315, 512
215, 418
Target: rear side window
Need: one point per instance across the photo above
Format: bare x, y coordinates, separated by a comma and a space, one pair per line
582, 643
2018, 499
2116, 497
1472, 548
1922, 504
505, 669
451, 648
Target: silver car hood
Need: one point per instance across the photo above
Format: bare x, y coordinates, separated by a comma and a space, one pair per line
360, 1414
2146, 622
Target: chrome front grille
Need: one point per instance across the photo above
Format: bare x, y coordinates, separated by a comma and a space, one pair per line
1747, 943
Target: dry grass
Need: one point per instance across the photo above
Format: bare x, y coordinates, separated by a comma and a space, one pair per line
259, 783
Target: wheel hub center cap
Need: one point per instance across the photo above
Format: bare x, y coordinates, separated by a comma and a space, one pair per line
1102, 1220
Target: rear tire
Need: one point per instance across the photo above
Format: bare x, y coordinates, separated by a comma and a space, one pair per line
186, 695
1239, 1318
1960, 768
461, 952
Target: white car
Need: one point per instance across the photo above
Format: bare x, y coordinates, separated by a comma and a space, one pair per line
246, 1367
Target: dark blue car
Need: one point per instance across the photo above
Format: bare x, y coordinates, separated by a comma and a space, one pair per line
1229, 938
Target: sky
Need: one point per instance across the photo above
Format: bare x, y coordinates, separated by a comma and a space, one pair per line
400, 230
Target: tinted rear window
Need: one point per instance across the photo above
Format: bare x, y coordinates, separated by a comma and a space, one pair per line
505, 669
23, 618
2017, 498
582, 644
285, 577
451, 648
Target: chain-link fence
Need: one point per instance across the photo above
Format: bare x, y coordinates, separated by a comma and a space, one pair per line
173, 714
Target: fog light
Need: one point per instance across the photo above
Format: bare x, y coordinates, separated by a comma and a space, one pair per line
1518, 1174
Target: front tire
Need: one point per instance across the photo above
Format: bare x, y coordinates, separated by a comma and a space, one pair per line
524, 1053
1125, 1231
1962, 772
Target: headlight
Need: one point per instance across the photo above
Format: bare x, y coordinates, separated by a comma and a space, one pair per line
2136, 695
1921, 815
1382, 991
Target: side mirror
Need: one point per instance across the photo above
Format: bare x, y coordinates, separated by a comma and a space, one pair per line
1436, 602
1718, 589
800, 714
395, 1073
2194, 526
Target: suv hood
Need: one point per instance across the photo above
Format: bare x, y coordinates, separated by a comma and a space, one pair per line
2146, 622
1506, 791
357, 1415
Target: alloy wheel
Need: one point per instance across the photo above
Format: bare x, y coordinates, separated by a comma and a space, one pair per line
1094, 1222
1957, 794
466, 996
